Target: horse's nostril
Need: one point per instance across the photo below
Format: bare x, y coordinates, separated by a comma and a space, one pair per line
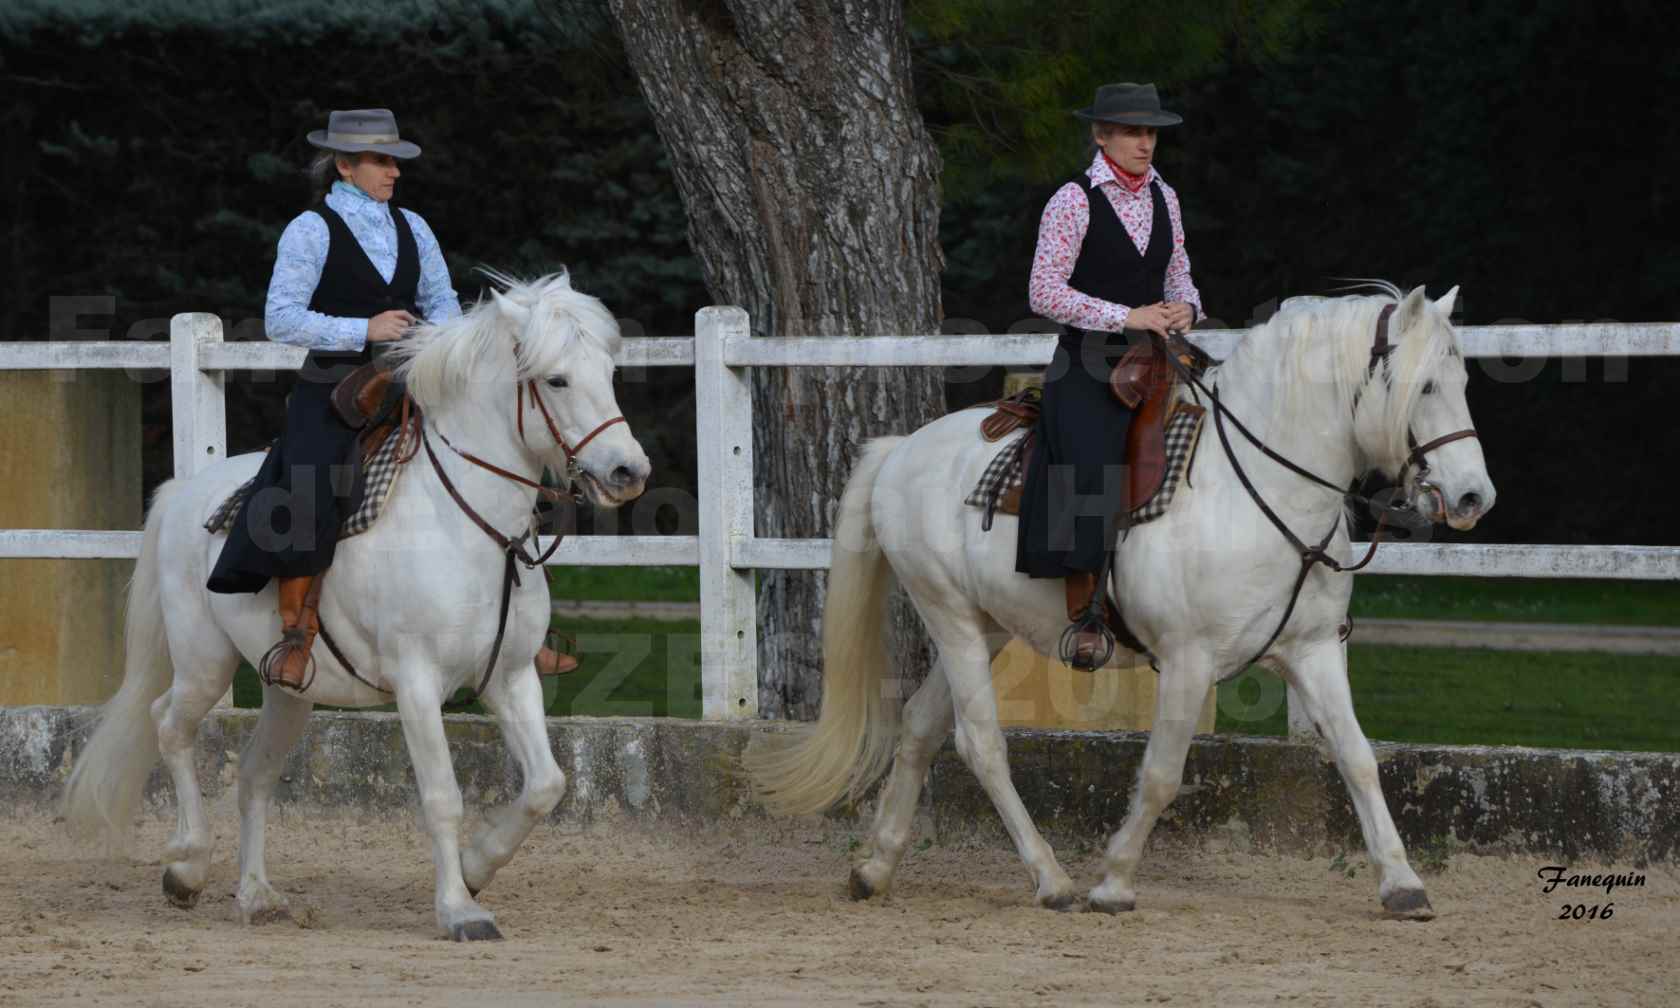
622, 476
1469, 502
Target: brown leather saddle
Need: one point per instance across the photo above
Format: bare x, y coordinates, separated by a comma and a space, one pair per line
370, 400
1144, 380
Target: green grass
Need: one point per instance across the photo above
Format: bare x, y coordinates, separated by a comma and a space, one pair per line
1518, 600
1438, 695
625, 584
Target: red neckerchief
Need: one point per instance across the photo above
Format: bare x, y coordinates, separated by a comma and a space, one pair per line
1132, 182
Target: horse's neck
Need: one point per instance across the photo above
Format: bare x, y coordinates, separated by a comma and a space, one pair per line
504, 504
1315, 433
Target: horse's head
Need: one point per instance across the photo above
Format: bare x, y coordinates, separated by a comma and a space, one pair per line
1411, 418
537, 360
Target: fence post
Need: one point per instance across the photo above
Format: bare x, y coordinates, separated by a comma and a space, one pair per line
198, 410
724, 464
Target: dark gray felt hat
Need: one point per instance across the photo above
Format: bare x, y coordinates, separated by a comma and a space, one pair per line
359, 130
1130, 105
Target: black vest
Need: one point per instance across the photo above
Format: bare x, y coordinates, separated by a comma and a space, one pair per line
1109, 266
350, 285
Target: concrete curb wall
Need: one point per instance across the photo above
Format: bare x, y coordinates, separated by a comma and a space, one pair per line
1274, 794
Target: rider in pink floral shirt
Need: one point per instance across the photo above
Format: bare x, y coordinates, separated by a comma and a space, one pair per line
1111, 268
1061, 232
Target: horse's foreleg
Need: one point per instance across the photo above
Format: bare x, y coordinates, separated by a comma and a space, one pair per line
1319, 676
927, 720
1181, 690
284, 715
965, 660
177, 714
419, 703
516, 700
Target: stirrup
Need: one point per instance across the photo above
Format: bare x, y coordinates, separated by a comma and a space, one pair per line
1089, 622
268, 669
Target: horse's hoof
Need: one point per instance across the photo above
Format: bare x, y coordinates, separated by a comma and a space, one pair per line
858, 887
268, 915
1408, 904
177, 892
1065, 903
1108, 906
478, 930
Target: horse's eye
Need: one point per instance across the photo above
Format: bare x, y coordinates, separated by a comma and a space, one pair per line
557, 382
1428, 388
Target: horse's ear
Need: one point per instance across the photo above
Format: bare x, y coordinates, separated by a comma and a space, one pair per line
1448, 301
1409, 310
513, 310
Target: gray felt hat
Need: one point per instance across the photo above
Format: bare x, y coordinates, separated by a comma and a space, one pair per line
360, 130
1129, 104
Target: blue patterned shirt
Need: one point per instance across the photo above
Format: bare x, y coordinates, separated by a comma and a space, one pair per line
303, 251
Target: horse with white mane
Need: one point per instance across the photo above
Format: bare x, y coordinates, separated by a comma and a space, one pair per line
1339, 385
415, 604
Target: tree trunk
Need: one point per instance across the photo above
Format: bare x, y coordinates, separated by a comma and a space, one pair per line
812, 190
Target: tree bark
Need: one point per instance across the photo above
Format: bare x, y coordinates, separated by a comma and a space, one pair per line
812, 190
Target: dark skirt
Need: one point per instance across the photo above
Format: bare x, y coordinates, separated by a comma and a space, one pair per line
288, 526
1073, 495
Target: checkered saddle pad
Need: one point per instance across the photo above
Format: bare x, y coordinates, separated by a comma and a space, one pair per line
379, 476
999, 486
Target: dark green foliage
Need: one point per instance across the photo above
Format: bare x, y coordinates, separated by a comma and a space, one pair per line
1516, 150
150, 152
154, 153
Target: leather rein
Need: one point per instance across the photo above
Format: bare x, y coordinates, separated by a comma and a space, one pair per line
1315, 554
513, 549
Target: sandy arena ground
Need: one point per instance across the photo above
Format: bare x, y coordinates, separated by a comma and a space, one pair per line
620, 916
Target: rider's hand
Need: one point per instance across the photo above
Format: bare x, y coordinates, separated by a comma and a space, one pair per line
1180, 316
1149, 318
388, 326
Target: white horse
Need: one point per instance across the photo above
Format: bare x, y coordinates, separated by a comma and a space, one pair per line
1203, 587
521, 380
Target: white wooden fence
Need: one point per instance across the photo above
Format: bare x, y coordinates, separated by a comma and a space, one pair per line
726, 550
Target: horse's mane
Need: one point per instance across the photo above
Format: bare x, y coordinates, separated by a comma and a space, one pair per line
525, 329
1312, 340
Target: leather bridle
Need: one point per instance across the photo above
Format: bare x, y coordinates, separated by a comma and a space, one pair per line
513, 549
1381, 347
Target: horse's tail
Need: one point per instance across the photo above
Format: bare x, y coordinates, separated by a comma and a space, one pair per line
106, 783
852, 741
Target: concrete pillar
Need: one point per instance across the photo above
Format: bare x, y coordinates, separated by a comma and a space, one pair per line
69, 459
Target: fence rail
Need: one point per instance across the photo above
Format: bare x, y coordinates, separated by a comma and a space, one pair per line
726, 550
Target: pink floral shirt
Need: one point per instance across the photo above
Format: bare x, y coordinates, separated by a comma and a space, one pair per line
1061, 232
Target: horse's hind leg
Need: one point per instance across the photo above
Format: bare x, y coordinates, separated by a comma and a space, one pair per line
1182, 689
965, 658
203, 672
1319, 676
516, 700
927, 720
284, 715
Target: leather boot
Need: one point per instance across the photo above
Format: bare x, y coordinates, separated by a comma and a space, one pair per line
1087, 643
288, 663
553, 662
